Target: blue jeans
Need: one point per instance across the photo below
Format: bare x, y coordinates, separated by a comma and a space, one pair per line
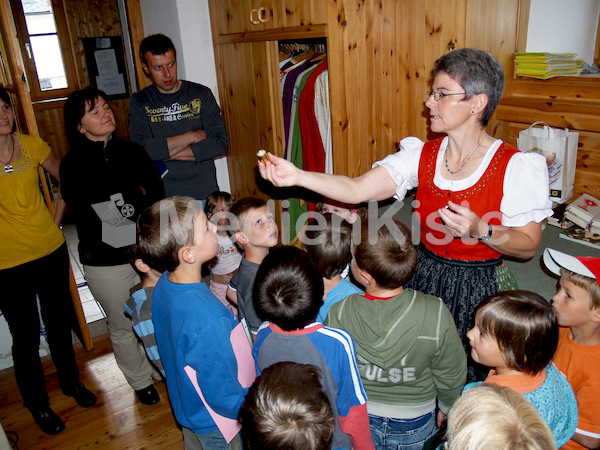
401, 434
209, 441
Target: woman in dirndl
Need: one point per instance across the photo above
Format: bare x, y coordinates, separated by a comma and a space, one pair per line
478, 198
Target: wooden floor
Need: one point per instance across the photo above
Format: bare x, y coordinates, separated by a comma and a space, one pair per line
117, 421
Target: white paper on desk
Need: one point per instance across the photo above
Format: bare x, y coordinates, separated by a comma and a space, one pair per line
229, 428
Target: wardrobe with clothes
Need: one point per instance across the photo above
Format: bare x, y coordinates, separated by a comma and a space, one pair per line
378, 57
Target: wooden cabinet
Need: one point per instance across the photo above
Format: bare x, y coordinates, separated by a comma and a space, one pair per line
251, 104
243, 16
380, 54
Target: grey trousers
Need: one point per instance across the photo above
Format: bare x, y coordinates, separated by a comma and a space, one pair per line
110, 287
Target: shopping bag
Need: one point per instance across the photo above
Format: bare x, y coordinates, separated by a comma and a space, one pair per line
559, 147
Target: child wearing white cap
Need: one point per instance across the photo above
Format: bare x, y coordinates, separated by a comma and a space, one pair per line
577, 306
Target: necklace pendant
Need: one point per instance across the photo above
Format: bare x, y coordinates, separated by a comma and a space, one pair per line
8, 168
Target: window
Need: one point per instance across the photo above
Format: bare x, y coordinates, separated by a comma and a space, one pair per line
46, 56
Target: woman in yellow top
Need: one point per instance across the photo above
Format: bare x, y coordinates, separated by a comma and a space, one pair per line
34, 261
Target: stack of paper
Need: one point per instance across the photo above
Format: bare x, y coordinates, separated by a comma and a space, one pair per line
547, 65
585, 212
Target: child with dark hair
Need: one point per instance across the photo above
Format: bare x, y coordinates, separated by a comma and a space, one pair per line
408, 349
288, 293
255, 230
577, 307
226, 263
516, 333
330, 249
287, 409
192, 327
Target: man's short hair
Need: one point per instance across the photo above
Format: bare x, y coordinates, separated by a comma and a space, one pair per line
157, 44
164, 228
525, 327
332, 251
589, 285
241, 208
286, 409
391, 259
491, 416
288, 289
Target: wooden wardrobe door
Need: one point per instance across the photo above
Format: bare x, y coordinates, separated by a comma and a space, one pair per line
380, 57
251, 97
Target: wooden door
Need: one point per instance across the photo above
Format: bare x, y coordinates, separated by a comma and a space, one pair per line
251, 105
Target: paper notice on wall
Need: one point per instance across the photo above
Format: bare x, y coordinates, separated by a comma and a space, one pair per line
111, 84
106, 62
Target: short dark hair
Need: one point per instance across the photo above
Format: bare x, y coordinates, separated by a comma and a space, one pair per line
75, 109
332, 251
158, 246
478, 72
157, 44
5, 96
525, 327
287, 409
213, 200
240, 208
288, 289
390, 259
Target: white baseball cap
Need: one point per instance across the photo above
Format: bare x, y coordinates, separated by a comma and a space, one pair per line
583, 265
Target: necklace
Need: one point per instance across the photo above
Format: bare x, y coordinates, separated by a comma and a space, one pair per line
464, 163
8, 168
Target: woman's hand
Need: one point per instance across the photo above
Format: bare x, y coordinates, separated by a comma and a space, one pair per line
461, 221
279, 171
520, 242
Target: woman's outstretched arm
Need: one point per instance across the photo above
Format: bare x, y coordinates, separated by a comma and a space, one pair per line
376, 184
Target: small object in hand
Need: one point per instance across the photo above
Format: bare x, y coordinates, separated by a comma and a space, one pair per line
263, 156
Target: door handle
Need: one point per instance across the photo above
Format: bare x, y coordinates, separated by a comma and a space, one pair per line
262, 14
252, 19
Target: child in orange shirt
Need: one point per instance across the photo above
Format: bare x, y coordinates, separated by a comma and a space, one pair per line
577, 306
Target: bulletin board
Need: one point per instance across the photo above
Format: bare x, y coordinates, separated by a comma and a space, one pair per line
106, 65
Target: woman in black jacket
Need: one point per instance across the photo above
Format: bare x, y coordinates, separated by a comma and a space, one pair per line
105, 176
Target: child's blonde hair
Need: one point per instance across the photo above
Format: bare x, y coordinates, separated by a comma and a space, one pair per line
491, 416
590, 285
164, 228
525, 327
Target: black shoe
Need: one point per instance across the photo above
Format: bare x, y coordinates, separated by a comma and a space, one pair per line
83, 396
148, 395
47, 420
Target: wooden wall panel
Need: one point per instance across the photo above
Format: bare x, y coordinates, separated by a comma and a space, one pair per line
241, 84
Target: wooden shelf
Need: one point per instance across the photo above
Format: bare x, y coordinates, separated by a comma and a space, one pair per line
300, 32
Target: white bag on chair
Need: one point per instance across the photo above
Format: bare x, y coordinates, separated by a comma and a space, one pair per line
559, 147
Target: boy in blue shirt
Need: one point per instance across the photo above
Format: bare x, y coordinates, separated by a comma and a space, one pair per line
288, 292
192, 326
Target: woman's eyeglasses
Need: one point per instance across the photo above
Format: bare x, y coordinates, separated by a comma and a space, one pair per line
437, 96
